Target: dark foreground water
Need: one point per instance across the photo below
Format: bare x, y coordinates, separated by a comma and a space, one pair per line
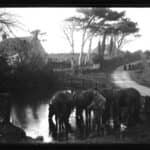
30, 112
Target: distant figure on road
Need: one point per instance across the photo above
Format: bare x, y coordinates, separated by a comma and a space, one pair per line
130, 67
125, 67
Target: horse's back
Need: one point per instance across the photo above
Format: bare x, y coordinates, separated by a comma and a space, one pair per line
84, 98
129, 96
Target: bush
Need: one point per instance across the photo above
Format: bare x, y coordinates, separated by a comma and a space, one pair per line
111, 64
95, 58
27, 78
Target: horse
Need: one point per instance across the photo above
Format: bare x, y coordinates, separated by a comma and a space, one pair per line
147, 105
108, 93
122, 106
126, 106
61, 105
89, 100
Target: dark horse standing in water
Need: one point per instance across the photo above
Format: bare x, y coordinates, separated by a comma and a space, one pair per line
110, 99
89, 100
128, 105
123, 105
61, 105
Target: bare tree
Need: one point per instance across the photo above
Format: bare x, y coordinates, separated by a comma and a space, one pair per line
82, 22
69, 30
8, 22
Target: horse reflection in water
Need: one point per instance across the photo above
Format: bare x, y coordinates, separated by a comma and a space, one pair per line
31, 115
62, 104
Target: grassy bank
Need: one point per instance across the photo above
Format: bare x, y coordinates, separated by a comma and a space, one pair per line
140, 77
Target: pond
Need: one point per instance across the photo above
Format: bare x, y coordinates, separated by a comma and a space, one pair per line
30, 112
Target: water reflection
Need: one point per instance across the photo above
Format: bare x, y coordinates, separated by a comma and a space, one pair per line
31, 114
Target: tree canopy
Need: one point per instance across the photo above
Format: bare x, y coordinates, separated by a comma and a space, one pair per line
104, 23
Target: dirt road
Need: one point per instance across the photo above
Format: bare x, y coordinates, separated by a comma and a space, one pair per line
122, 79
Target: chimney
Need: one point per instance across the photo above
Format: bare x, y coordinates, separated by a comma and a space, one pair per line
35, 34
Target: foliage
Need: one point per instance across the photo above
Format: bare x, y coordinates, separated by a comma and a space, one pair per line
104, 22
25, 78
95, 58
5, 70
7, 22
111, 64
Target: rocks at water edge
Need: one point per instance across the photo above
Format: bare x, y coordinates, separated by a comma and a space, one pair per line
13, 134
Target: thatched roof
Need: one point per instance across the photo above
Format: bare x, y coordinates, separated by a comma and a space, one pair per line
31, 45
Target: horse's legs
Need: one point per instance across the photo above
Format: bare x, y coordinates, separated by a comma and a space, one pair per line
67, 126
79, 116
98, 122
89, 114
59, 125
79, 120
94, 121
116, 117
52, 127
87, 120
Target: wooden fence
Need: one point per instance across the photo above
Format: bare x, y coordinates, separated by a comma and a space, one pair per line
60, 65
69, 82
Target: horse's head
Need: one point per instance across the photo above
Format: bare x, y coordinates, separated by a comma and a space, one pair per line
145, 101
98, 102
75, 94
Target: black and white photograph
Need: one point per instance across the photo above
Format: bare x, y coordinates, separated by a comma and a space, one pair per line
74, 75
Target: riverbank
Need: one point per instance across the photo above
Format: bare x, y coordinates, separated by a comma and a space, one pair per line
10, 133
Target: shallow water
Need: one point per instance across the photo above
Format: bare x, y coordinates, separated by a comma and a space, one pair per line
35, 121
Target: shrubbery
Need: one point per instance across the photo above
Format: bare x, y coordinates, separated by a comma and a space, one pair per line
111, 64
26, 77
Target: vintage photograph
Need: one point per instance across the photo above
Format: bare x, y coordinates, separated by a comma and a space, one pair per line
77, 75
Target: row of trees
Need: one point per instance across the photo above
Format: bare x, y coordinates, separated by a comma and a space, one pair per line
109, 26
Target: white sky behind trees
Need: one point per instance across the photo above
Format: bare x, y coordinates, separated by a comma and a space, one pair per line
49, 20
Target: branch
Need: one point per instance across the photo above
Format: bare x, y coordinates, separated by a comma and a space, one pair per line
68, 38
120, 41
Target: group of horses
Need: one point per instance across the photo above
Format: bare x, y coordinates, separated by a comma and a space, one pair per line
102, 108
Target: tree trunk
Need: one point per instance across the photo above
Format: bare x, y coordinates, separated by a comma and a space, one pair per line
82, 48
89, 50
80, 57
111, 46
101, 50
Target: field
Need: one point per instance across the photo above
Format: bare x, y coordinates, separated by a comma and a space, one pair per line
140, 76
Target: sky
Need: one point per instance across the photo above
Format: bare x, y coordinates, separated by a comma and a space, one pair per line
50, 20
